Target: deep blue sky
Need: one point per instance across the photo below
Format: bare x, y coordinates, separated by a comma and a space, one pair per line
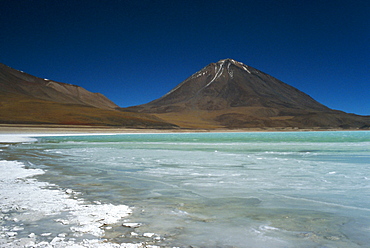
136, 51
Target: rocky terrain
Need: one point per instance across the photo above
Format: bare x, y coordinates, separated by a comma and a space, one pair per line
26, 99
230, 94
223, 95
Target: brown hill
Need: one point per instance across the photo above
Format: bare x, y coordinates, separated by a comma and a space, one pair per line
230, 94
26, 99
18, 82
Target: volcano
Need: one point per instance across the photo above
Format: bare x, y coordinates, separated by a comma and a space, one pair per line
230, 94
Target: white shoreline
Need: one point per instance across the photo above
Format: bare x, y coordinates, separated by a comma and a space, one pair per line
32, 137
19, 192
17, 138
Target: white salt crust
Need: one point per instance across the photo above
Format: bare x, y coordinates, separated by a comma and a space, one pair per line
21, 193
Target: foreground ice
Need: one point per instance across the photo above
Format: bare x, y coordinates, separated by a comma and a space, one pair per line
24, 199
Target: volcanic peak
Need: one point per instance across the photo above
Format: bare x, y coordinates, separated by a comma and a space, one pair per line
213, 72
231, 94
220, 67
227, 62
229, 83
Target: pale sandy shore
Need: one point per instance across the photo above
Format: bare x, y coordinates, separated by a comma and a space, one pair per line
59, 129
51, 129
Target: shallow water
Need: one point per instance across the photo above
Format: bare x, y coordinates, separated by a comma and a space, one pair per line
298, 189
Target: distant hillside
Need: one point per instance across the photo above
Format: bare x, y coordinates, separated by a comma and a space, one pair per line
26, 99
230, 94
14, 81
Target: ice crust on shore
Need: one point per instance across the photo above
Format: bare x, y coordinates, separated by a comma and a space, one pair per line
35, 200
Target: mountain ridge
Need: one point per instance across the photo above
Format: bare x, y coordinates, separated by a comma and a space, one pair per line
230, 94
223, 95
26, 99
14, 81
220, 81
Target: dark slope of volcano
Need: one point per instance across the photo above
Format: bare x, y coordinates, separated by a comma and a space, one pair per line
230, 94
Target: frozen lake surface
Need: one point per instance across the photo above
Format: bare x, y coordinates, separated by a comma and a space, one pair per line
294, 189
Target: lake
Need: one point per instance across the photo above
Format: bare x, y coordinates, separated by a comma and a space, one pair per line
258, 189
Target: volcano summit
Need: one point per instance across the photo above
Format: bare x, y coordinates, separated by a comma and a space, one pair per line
230, 94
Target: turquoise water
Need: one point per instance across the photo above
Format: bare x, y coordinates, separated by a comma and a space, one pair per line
295, 189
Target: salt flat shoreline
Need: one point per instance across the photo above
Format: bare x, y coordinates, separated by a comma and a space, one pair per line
61, 129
